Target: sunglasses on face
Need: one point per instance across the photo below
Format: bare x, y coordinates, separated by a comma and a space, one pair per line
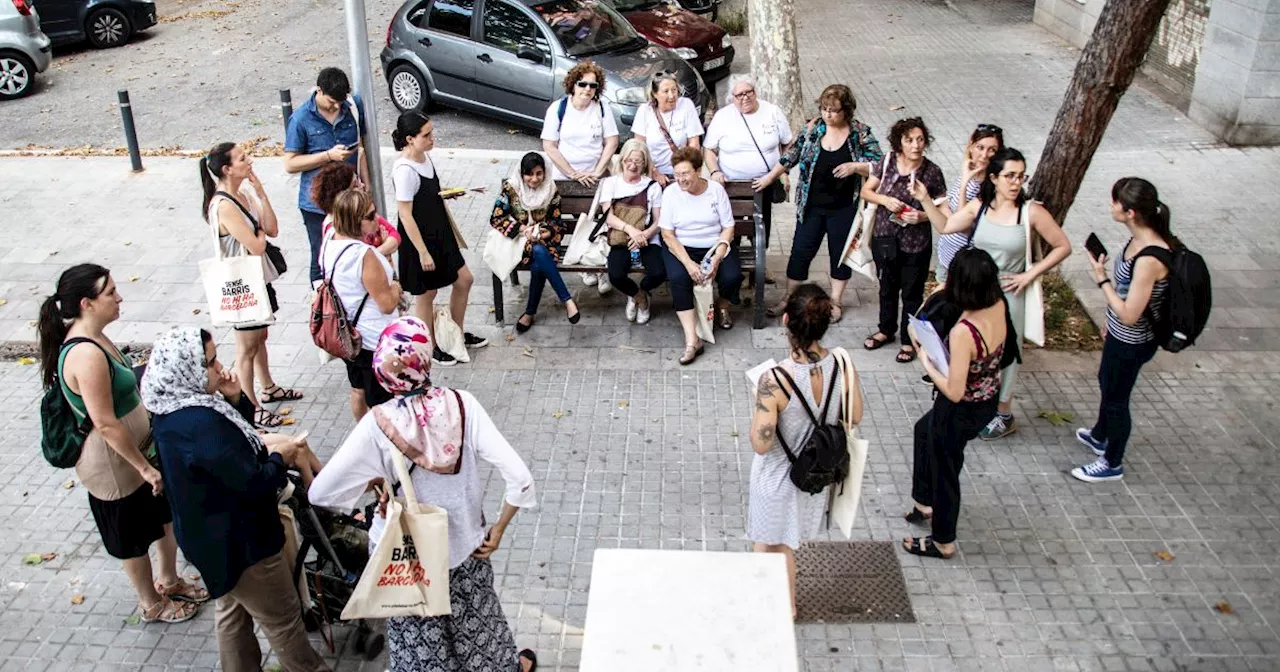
588, 85
990, 128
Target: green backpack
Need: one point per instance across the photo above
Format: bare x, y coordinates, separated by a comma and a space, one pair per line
62, 430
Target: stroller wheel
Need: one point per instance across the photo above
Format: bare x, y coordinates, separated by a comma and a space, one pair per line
373, 647
361, 639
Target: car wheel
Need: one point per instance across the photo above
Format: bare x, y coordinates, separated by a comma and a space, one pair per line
17, 75
408, 88
107, 28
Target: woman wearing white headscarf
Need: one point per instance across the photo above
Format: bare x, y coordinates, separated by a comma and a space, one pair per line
222, 482
444, 433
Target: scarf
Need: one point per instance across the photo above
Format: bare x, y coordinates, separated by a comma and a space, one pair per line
424, 422
176, 378
531, 199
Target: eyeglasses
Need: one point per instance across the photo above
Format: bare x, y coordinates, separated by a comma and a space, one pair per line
831, 110
745, 94
990, 128
588, 85
1015, 177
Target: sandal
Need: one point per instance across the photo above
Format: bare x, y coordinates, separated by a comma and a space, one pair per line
777, 309
837, 314
723, 320
264, 418
873, 343
917, 517
279, 394
926, 547
183, 592
690, 353
169, 611
530, 656
906, 356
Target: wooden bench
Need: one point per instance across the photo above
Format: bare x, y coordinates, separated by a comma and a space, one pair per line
576, 199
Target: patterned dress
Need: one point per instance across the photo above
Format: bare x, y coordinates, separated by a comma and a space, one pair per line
509, 215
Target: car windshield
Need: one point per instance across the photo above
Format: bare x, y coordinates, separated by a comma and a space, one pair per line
586, 27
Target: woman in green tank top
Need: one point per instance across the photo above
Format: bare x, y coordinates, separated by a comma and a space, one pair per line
125, 491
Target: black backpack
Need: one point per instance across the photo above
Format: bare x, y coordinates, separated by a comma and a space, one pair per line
62, 430
1189, 299
823, 459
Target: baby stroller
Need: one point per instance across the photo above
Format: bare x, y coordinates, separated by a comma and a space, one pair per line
338, 546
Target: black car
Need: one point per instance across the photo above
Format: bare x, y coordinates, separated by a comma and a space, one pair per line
104, 23
707, 8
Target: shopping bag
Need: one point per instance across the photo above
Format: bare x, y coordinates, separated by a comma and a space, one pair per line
857, 247
588, 246
453, 224
408, 571
845, 498
503, 254
704, 305
235, 289
1033, 324
291, 546
449, 335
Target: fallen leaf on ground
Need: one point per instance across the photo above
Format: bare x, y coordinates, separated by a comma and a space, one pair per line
493, 160
77, 599
285, 411
895, 108
1224, 607
46, 557
491, 310
53, 253
31, 559
1057, 418
528, 352
287, 421
557, 414
512, 131
195, 312
69, 484
133, 278
3, 301
133, 620
510, 337
273, 667
26, 361
1165, 555
632, 347
734, 433
623, 404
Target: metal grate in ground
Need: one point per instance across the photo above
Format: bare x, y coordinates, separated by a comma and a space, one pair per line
851, 582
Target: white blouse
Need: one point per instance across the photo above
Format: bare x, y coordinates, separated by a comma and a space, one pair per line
366, 455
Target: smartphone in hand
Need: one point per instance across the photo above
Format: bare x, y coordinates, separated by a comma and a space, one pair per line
1094, 246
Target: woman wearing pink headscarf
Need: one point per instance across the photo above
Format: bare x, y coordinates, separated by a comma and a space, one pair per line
444, 433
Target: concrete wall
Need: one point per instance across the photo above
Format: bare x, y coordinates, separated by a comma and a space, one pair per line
1237, 89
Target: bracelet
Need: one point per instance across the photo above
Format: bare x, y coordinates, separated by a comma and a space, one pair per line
1103, 282
717, 171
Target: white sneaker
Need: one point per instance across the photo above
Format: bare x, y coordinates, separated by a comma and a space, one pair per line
631, 309
589, 279
602, 284
642, 315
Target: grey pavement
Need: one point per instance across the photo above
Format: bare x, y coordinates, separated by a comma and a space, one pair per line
630, 450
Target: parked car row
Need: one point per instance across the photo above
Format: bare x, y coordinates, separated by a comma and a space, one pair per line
506, 58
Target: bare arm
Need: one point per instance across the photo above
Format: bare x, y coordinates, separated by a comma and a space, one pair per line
1049, 230
610, 146
90, 373
962, 221
851, 382
297, 163
711, 157
1146, 273
764, 421
231, 220
384, 292
552, 148
405, 210
266, 214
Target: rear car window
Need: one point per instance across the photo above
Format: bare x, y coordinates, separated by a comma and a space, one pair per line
451, 16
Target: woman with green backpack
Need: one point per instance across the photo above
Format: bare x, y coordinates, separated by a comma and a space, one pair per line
85, 373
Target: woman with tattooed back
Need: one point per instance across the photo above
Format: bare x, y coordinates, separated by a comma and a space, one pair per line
780, 515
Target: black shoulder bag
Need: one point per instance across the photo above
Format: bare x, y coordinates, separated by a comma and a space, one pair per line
273, 253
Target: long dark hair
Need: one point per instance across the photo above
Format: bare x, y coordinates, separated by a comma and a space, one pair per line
1140, 196
808, 314
408, 125
987, 194
211, 166
531, 161
82, 281
973, 280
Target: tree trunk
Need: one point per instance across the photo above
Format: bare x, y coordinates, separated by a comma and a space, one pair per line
1104, 72
775, 64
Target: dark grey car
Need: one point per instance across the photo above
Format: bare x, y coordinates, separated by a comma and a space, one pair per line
507, 58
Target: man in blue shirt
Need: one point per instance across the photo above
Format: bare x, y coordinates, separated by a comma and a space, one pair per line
325, 128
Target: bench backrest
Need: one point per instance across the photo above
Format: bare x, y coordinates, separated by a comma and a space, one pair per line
575, 200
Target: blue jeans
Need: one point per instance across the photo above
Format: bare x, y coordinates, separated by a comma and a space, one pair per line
314, 223
542, 268
1117, 376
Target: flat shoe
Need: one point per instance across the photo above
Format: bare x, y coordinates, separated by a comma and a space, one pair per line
723, 318
521, 327
690, 353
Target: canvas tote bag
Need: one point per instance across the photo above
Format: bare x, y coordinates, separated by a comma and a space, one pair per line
234, 287
408, 572
1033, 326
859, 258
503, 254
586, 246
845, 497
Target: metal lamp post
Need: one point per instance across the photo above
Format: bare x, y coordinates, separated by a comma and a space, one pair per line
362, 74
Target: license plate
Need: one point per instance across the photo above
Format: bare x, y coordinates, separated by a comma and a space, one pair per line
713, 63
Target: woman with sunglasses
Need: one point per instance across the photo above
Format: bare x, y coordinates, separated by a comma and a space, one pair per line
364, 284
670, 121
999, 222
984, 142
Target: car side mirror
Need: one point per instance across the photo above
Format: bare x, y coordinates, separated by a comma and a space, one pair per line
530, 55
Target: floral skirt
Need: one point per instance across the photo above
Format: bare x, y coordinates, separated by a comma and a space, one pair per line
475, 638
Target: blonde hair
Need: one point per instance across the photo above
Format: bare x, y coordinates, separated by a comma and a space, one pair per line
656, 81
349, 208
629, 147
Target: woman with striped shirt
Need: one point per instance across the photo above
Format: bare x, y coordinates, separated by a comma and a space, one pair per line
1135, 301
984, 142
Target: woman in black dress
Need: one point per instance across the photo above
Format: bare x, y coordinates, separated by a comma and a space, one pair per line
432, 259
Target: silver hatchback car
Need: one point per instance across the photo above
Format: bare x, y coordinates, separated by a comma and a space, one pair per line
24, 50
507, 58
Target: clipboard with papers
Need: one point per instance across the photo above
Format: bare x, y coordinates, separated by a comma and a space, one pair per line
931, 343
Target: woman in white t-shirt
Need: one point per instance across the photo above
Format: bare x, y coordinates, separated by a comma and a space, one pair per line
697, 228
579, 133
631, 203
365, 286
670, 121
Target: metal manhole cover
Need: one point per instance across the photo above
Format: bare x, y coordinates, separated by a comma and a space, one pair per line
851, 582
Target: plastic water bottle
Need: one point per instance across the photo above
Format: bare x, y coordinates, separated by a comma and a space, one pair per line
635, 258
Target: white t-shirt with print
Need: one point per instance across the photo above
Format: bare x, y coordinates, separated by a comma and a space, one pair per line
682, 123
696, 220
407, 176
615, 186
739, 159
581, 135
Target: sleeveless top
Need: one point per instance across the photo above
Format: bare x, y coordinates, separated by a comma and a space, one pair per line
101, 470
124, 385
793, 423
1007, 245
983, 383
227, 243
1141, 331
348, 282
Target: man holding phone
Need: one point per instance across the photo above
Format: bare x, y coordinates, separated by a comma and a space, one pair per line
325, 128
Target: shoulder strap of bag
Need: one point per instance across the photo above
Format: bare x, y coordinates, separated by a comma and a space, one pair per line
462, 410
884, 168
253, 220
753, 141
402, 473
973, 230
845, 366
328, 279
111, 370
355, 113
663, 125
564, 104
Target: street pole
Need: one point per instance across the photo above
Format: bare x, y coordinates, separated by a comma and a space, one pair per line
362, 74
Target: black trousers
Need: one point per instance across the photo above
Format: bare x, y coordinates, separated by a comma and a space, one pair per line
940, 438
1117, 375
818, 223
619, 265
899, 272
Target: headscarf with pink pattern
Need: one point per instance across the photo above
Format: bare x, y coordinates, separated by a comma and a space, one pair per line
423, 421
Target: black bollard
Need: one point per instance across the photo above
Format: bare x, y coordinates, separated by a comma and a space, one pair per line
286, 108
130, 132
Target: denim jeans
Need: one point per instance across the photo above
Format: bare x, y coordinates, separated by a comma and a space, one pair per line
542, 268
314, 223
1117, 376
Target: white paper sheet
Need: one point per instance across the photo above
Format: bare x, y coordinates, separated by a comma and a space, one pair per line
931, 343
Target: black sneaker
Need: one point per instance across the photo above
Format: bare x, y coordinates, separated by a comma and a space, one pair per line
442, 358
474, 341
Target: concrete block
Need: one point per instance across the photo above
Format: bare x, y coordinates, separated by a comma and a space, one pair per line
1227, 74
1213, 95
1255, 134
1266, 57
1260, 111
1263, 85
1237, 18
1229, 45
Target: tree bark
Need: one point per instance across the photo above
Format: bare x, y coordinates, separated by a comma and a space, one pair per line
1104, 72
775, 63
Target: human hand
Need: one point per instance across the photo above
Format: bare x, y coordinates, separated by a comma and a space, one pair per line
288, 450
153, 477
637, 238
492, 539
1099, 267
1017, 282
718, 176
845, 170
761, 183
663, 180
892, 204
427, 261
228, 383
695, 272
920, 192
255, 182
339, 153
972, 169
